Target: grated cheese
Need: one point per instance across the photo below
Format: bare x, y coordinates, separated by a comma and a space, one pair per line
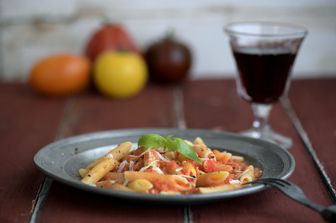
161, 157
234, 182
148, 166
109, 156
122, 166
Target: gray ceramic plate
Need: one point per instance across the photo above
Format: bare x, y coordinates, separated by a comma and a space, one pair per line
62, 159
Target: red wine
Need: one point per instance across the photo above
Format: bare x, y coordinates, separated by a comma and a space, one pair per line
263, 72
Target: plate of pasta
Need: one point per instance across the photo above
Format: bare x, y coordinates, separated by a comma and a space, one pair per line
164, 165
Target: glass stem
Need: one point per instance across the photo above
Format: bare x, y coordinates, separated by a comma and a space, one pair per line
261, 113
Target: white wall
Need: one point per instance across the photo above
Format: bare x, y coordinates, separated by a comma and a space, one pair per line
31, 29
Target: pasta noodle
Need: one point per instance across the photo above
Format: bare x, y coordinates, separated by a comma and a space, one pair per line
116, 153
248, 175
141, 185
221, 188
159, 171
100, 170
212, 179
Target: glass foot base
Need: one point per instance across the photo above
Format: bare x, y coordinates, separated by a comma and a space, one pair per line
270, 136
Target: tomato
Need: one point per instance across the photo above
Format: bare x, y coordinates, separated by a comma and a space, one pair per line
169, 167
209, 166
212, 165
120, 74
109, 37
162, 186
168, 60
60, 75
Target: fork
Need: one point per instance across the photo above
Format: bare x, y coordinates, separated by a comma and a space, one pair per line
297, 194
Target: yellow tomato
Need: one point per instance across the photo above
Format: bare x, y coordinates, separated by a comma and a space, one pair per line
120, 74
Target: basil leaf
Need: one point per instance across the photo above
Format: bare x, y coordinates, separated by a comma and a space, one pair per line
185, 149
170, 143
150, 141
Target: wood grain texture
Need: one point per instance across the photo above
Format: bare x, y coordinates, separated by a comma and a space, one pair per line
152, 108
215, 105
314, 102
27, 122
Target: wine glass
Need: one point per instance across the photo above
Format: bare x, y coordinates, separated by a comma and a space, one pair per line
264, 53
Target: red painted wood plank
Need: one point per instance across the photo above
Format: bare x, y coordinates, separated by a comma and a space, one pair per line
27, 122
152, 108
314, 101
214, 104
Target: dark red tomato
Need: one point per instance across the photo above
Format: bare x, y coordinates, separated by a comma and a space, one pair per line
168, 60
109, 37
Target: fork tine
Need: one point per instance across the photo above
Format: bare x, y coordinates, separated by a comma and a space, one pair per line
267, 180
285, 182
280, 182
276, 181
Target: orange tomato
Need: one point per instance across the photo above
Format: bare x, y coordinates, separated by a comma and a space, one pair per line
60, 75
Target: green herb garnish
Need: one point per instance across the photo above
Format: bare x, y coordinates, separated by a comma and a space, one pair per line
169, 143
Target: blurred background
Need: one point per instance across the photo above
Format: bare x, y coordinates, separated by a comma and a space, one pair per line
33, 29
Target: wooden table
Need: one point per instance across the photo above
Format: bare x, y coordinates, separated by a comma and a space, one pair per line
29, 121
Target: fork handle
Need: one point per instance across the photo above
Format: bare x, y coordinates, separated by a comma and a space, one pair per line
329, 213
301, 198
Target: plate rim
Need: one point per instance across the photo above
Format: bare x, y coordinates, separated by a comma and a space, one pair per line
184, 199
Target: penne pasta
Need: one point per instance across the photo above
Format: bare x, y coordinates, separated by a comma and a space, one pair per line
221, 188
204, 152
99, 171
156, 170
82, 172
201, 149
237, 158
189, 169
169, 192
170, 181
199, 141
120, 151
248, 175
141, 185
113, 176
121, 187
116, 153
212, 179
188, 142
223, 157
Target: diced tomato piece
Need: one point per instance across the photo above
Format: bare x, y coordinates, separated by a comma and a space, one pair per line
238, 166
212, 165
209, 166
169, 167
172, 165
185, 172
162, 186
